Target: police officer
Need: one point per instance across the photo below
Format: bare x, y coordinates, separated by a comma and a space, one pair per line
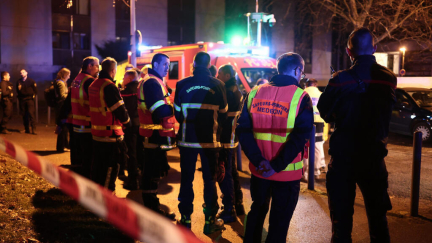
157, 121
76, 110
27, 90
6, 101
200, 105
108, 114
129, 96
275, 123
360, 101
315, 93
230, 185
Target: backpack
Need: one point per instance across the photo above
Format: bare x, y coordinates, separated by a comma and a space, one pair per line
50, 96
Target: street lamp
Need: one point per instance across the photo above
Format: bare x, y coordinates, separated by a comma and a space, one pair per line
403, 49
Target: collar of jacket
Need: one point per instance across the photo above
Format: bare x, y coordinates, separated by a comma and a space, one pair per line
283, 80
201, 71
364, 59
105, 74
154, 73
86, 73
231, 82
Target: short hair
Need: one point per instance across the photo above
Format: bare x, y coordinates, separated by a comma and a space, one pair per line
213, 70
88, 60
228, 69
62, 73
132, 73
158, 58
3, 74
108, 64
361, 41
137, 70
130, 66
289, 61
310, 82
24, 70
202, 59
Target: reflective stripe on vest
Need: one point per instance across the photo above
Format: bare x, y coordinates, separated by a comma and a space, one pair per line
215, 109
80, 115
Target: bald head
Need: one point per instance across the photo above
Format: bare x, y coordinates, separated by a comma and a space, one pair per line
361, 42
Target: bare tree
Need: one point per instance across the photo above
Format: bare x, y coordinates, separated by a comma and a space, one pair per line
388, 19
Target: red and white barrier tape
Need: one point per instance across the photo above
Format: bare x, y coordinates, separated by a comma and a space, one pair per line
133, 219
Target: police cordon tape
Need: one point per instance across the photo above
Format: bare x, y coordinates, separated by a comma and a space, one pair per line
133, 219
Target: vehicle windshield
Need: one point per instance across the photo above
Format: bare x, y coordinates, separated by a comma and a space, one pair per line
253, 75
422, 98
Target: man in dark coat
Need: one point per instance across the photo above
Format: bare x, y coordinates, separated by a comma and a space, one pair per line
27, 91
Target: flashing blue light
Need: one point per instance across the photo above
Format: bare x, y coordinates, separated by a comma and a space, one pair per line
144, 48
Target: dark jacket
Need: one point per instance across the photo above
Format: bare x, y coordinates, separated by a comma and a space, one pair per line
129, 95
67, 105
6, 90
296, 139
200, 105
26, 89
361, 116
112, 97
234, 99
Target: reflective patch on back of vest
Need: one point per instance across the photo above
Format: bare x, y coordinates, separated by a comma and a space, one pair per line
270, 107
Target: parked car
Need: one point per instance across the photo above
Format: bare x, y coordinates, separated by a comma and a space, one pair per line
412, 112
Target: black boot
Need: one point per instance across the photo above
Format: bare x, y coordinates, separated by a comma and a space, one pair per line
228, 216
213, 225
240, 210
185, 220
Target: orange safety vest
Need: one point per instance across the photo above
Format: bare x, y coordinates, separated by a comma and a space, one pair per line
103, 123
147, 126
273, 111
80, 113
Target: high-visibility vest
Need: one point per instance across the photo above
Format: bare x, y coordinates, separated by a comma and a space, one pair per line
273, 111
147, 126
80, 112
103, 123
315, 94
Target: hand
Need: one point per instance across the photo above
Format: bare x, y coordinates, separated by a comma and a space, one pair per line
58, 130
265, 169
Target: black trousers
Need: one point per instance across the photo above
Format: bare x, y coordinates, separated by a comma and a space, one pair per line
155, 161
27, 110
284, 196
7, 107
63, 136
131, 137
227, 184
188, 159
81, 146
371, 176
106, 157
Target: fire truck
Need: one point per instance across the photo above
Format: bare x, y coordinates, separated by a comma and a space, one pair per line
250, 62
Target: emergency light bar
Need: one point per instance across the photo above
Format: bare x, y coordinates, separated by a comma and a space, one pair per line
263, 51
145, 48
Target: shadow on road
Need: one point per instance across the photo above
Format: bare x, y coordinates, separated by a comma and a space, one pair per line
46, 152
59, 218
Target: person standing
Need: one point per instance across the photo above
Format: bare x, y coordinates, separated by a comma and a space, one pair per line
61, 93
200, 105
230, 185
315, 93
27, 91
108, 114
76, 112
157, 121
273, 129
6, 101
359, 101
129, 96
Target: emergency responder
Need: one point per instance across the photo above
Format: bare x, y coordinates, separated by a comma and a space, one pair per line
6, 101
200, 105
230, 185
359, 100
76, 110
156, 115
27, 91
273, 129
108, 114
315, 93
129, 96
